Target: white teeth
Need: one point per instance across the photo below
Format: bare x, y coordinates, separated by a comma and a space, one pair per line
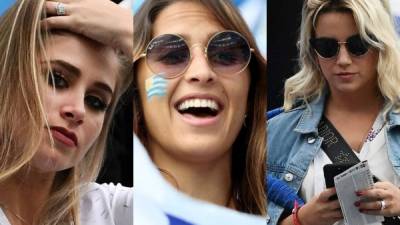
198, 103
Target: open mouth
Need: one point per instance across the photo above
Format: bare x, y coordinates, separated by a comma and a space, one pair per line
201, 108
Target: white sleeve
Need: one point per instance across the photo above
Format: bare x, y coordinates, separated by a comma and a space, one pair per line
107, 204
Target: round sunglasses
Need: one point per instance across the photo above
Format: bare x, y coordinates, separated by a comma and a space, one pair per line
328, 48
227, 53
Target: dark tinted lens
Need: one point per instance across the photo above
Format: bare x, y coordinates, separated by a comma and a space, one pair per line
356, 46
325, 47
228, 53
168, 55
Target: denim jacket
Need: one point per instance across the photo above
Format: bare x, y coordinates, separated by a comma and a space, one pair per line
293, 142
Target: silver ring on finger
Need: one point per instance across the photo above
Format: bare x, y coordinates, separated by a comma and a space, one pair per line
60, 9
383, 205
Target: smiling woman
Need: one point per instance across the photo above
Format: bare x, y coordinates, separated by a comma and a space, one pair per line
200, 100
59, 90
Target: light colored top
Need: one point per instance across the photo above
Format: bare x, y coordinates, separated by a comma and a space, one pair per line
293, 143
105, 204
374, 150
158, 203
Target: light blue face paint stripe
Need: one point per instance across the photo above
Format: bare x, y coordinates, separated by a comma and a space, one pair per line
156, 93
158, 78
156, 86
159, 82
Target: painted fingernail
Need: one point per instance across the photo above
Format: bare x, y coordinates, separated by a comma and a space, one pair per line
361, 210
358, 193
357, 203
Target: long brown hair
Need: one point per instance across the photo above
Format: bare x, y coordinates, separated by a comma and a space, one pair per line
249, 149
22, 44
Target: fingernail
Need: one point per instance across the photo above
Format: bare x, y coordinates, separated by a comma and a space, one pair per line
357, 203
358, 193
361, 210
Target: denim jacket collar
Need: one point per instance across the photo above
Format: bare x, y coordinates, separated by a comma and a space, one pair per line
311, 116
393, 119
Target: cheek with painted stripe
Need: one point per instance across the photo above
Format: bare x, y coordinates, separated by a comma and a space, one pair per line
156, 86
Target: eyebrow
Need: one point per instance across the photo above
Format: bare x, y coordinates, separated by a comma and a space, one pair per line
77, 72
188, 38
104, 87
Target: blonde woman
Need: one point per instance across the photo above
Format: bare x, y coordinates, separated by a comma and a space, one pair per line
58, 94
200, 100
350, 74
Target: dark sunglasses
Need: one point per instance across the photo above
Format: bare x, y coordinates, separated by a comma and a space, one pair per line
227, 53
329, 47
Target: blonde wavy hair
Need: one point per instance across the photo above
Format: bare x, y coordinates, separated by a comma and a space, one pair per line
249, 149
22, 78
375, 24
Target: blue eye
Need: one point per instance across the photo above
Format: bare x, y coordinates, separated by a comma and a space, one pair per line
56, 79
96, 103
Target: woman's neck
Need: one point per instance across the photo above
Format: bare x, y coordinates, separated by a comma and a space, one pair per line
208, 181
366, 101
24, 194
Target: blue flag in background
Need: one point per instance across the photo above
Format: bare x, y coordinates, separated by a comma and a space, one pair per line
158, 203
5, 4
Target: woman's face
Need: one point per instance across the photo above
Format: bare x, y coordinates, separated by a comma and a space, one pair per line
193, 135
75, 100
346, 73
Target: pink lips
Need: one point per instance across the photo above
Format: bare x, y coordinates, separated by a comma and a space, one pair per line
64, 136
197, 121
346, 76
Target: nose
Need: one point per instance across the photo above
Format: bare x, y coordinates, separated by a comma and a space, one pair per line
343, 57
199, 69
74, 111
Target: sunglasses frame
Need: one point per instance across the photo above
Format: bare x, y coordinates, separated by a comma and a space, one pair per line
144, 54
339, 45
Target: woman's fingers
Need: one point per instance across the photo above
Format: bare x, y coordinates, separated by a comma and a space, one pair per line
100, 20
63, 1
56, 22
54, 8
325, 195
370, 205
383, 199
375, 193
333, 205
335, 215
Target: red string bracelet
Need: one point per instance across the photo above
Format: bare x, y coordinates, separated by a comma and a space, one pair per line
295, 212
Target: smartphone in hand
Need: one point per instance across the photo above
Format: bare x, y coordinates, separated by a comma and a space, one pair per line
330, 171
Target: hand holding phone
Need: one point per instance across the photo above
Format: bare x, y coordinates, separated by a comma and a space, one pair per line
331, 170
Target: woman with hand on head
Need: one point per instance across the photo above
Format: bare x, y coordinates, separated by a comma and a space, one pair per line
101, 20
200, 100
349, 77
59, 91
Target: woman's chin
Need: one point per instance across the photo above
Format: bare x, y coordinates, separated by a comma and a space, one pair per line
50, 162
201, 150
